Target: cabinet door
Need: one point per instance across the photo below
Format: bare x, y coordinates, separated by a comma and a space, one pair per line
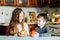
32, 2
55, 3
39, 2
0, 1
22, 2
9, 2
44, 2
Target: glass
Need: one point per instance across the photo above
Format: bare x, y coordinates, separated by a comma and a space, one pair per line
9, 1
23, 1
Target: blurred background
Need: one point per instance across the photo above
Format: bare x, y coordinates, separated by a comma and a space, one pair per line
31, 8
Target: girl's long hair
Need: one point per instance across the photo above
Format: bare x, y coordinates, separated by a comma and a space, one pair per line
15, 19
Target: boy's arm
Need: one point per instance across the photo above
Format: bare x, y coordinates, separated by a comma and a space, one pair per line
48, 31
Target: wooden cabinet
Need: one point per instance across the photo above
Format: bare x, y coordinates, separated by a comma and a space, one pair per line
43, 2
2, 31
50, 3
55, 3
27, 2
32, 2
0, 1
19, 2
22, 2
8, 2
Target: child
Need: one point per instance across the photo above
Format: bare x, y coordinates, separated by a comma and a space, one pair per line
41, 28
17, 26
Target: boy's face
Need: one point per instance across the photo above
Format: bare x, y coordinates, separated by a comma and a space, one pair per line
40, 21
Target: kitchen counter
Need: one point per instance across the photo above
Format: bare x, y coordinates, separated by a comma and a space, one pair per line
4, 27
4, 24
28, 38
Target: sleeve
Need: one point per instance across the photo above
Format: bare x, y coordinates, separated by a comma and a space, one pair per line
48, 29
48, 32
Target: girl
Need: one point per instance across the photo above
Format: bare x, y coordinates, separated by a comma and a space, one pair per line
17, 26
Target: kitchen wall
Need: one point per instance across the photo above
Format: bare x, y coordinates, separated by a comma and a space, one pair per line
50, 10
6, 12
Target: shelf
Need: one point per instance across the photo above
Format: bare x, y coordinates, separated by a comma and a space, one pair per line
53, 23
54, 26
55, 34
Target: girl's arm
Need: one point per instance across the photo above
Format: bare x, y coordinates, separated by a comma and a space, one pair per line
14, 31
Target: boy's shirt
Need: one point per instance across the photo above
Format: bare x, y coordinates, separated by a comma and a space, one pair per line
43, 31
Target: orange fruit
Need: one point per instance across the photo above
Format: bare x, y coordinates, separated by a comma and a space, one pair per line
34, 32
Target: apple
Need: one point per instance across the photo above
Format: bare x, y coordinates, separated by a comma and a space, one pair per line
34, 33
22, 31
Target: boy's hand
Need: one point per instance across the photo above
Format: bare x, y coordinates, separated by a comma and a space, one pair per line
34, 34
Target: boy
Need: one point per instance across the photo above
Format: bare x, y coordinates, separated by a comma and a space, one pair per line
41, 28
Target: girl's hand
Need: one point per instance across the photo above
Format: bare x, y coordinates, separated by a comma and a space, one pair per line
22, 34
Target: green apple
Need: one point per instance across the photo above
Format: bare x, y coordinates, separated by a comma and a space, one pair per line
22, 31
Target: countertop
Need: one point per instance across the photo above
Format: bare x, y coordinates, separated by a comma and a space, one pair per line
28, 38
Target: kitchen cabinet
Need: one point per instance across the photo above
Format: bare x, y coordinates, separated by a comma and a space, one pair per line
43, 2
0, 1
2, 31
55, 3
22, 2
27, 2
19, 2
32, 2
50, 3
37, 3
10, 2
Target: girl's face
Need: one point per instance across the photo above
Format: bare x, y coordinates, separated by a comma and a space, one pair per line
21, 16
40, 21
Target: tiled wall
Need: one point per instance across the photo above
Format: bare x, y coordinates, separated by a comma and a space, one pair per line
7, 12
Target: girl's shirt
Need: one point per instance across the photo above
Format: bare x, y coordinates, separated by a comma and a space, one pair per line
20, 28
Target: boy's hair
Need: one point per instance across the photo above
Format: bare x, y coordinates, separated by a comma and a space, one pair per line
44, 15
